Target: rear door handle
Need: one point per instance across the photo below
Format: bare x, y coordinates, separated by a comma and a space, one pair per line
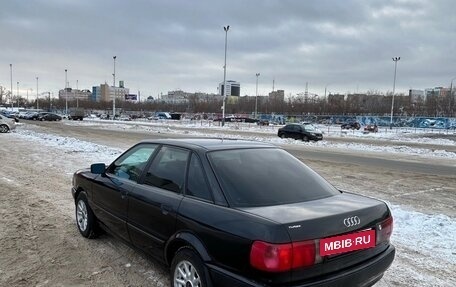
166, 209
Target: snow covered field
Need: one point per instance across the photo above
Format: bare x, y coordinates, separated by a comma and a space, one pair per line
423, 240
403, 137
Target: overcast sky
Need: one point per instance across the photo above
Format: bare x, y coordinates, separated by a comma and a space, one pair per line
345, 46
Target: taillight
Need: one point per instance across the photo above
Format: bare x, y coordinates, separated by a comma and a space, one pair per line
384, 230
282, 257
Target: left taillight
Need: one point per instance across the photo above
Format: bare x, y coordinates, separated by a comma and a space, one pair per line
384, 230
282, 257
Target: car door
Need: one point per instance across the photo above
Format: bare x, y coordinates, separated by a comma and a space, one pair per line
296, 132
153, 205
110, 191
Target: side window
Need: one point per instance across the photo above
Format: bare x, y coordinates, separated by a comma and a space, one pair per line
196, 183
131, 165
167, 170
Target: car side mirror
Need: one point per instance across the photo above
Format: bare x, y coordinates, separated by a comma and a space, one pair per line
98, 168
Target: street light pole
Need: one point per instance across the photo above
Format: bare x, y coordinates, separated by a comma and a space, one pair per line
452, 99
11, 88
66, 92
395, 59
256, 95
224, 76
17, 94
37, 105
114, 87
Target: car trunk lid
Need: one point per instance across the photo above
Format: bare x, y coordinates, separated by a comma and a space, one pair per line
330, 216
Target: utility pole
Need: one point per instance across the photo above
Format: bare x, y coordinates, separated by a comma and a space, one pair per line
256, 95
37, 105
114, 87
395, 59
224, 77
66, 93
11, 90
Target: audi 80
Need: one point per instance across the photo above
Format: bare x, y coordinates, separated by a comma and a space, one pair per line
235, 213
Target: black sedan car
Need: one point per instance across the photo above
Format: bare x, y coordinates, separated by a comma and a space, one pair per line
303, 132
49, 117
351, 126
235, 213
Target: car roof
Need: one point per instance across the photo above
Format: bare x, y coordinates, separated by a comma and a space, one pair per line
211, 143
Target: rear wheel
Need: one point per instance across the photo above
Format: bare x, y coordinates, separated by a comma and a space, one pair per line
305, 138
85, 219
4, 128
282, 136
187, 269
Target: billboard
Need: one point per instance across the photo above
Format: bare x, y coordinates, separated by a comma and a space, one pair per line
131, 97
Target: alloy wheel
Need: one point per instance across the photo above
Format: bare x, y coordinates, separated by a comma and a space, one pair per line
81, 215
186, 275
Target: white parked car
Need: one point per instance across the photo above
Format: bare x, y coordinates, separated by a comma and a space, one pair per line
6, 124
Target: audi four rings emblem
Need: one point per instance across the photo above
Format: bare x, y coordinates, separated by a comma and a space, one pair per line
352, 221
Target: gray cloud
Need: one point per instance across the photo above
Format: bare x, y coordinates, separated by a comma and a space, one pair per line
166, 45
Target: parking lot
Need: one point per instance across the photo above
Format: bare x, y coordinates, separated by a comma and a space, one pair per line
41, 245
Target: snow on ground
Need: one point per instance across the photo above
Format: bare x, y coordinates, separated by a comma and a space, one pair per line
424, 239
269, 134
430, 234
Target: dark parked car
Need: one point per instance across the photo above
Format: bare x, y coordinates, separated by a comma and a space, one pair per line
11, 115
371, 128
235, 213
351, 126
49, 117
303, 132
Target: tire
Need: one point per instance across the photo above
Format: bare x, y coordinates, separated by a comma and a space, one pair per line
305, 138
4, 128
187, 269
282, 136
85, 219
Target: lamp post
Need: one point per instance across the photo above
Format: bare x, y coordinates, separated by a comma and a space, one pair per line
256, 95
37, 105
395, 59
224, 76
17, 94
66, 92
11, 88
77, 97
114, 87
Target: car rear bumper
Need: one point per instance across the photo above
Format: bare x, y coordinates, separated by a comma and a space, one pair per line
363, 275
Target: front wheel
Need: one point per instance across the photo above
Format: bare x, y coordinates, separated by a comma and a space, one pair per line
282, 136
305, 138
187, 269
85, 218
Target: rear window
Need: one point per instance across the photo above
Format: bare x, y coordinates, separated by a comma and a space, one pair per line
265, 177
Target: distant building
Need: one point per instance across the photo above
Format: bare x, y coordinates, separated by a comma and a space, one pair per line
277, 96
179, 97
74, 94
107, 93
96, 94
233, 88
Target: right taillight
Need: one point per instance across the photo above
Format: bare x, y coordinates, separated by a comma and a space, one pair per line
283, 257
384, 230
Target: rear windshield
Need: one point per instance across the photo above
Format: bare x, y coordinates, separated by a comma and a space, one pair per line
265, 177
